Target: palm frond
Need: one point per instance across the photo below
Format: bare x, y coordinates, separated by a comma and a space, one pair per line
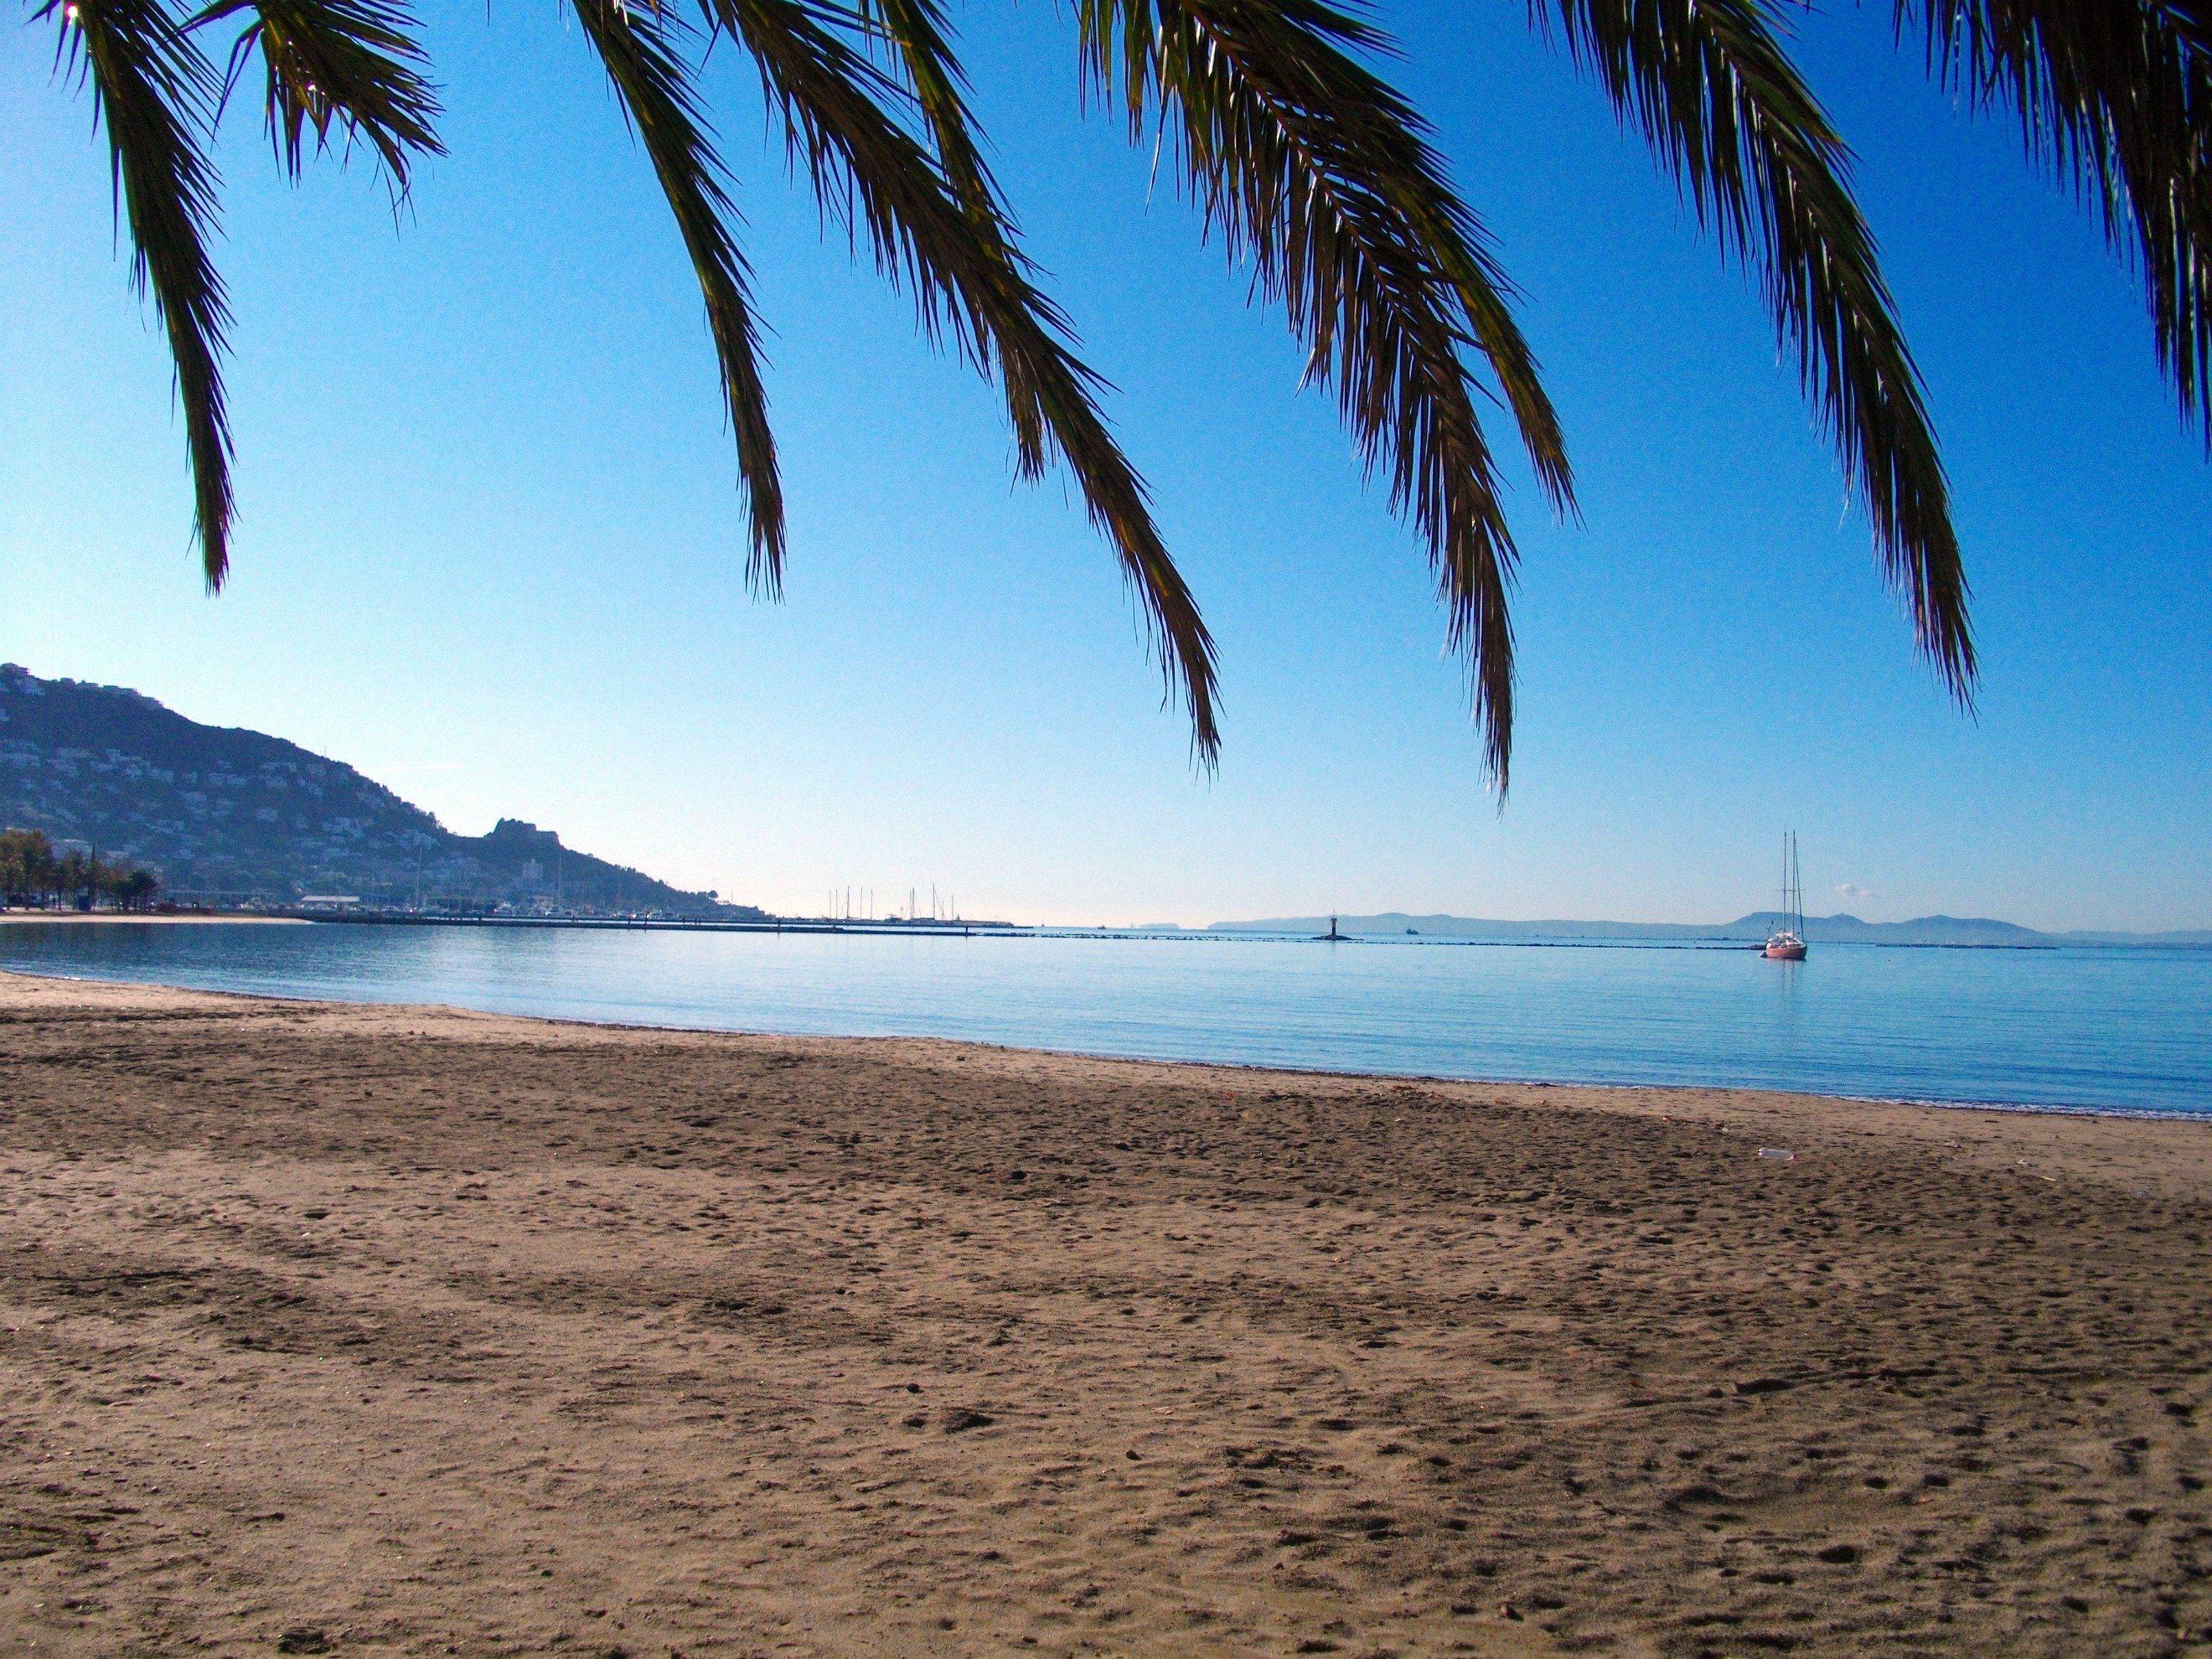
1320, 173
2115, 99
930, 81
655, 86
921, 43
154, 92
349, 64
946, 241
1720, 103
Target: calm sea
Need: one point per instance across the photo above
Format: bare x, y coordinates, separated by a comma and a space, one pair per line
2092, 1027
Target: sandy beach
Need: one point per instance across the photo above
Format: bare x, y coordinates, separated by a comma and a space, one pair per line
404, 1330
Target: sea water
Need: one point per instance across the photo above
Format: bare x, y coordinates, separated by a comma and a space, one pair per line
2127, 1028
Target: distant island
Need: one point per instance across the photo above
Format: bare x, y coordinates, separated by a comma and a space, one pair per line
1834, 930
230, 817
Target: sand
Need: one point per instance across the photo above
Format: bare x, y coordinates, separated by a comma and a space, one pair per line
406, 1330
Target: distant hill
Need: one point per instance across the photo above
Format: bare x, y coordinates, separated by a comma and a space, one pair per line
218, 810
1838, 929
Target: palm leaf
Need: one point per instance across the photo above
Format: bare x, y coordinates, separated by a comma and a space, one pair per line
2116, 100
1719, 102
654, 84
352, 63
1322, 174
918, 36
948, 243
928, 79
154, 92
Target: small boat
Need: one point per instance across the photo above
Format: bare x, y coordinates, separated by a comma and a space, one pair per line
1786, 943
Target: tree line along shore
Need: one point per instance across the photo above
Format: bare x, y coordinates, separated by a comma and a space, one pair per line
34, 876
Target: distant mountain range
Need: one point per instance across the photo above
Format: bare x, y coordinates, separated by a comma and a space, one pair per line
1839, 929
220, 811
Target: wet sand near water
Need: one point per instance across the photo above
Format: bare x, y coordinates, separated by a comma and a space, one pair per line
410, 1331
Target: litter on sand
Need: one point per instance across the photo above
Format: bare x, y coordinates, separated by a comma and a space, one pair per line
1779, 1153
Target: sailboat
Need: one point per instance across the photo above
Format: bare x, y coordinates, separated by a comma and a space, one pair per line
1786, 943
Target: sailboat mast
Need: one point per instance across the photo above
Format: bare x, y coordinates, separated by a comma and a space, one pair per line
1793, 886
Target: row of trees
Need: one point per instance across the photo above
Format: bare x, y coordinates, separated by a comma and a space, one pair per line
31, 873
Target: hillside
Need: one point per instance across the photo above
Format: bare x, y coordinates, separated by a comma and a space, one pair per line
232, 815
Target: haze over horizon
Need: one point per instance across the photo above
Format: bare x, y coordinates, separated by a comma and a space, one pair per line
490, 552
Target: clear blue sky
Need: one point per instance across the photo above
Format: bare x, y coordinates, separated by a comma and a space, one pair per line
490, 550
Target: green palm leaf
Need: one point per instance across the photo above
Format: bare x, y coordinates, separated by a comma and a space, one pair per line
155, 93
928, 77
654, 85
917, 35
1721, 104
1320, 173
2117, 101
1310, 166
948, 243
352, 63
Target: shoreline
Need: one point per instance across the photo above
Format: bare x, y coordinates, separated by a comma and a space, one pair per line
2154, 1115
110, 918
896, 928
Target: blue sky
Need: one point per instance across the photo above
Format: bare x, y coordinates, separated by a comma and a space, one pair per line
491, 549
